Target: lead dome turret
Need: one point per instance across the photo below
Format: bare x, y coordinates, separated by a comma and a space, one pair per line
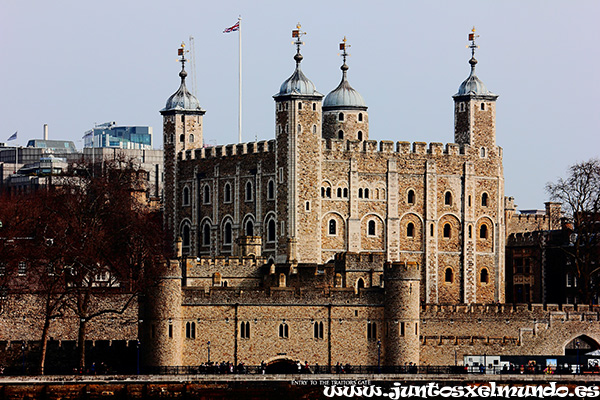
344, 109
344, 96
182, 99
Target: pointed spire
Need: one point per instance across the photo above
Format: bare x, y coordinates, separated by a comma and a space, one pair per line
298, 83
182, 99
473, 85
344, 96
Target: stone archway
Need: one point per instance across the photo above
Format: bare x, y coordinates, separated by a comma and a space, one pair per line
282, 365
583, 343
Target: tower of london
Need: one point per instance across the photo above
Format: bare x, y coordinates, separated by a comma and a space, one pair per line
323, 245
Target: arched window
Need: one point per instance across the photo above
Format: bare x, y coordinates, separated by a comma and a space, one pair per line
447, 230
206, 196
328, 192
484, 277
332, 227
271, 234
410, 229
314, 129
360, 283
284, 331
182, 138
191, 138
366, 193
186, 196
318, 330
345, 192
227, 234
314, 106
470, 231
360, 193
359, 135
340, 134
371, 228
483, 231
206, 235
249, 191
190, 330
249, 228
340, 116
299, 105
448, 199
482, 152
371, 330
482, 106
245, 330
484, 199
299, 128
410, 197
360, 117
271, 190
185, 236
227, 193
449, 275
282, 280
339, 192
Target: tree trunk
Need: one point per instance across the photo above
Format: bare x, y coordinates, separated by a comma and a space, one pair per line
81, 339
44, 344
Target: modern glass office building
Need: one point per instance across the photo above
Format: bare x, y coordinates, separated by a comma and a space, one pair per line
110, 134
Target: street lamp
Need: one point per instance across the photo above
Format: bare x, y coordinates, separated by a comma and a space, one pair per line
208, 348
138, 357
578, 370
379, 356
23, 353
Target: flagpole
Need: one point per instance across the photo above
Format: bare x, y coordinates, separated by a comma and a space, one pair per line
240, 80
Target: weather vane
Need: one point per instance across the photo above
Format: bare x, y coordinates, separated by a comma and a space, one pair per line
343, 47
473, 46
297, 33
181, 52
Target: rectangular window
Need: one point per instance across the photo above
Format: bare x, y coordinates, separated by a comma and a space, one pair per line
282, 229
170, 331
281, 175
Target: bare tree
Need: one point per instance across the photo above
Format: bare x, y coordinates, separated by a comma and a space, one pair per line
580, 194
91, 236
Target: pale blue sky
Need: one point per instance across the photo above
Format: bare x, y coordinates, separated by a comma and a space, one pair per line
71, 64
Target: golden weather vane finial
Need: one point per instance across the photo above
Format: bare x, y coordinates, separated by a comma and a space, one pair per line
473, 46
343, 47
297, 33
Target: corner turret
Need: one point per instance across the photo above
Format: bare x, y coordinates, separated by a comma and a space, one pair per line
402, 312
298, 165
344, 109
182, 130
475, 109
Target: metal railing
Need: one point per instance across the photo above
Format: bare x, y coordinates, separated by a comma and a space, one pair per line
292, 369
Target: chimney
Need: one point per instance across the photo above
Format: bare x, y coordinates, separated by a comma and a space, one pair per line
45, 131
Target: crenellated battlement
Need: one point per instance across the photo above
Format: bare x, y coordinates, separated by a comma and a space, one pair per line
345, 297
387, 147
228, 150
508, 312
524, 238
402, 271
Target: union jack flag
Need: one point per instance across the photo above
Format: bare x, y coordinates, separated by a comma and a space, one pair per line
234, 28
